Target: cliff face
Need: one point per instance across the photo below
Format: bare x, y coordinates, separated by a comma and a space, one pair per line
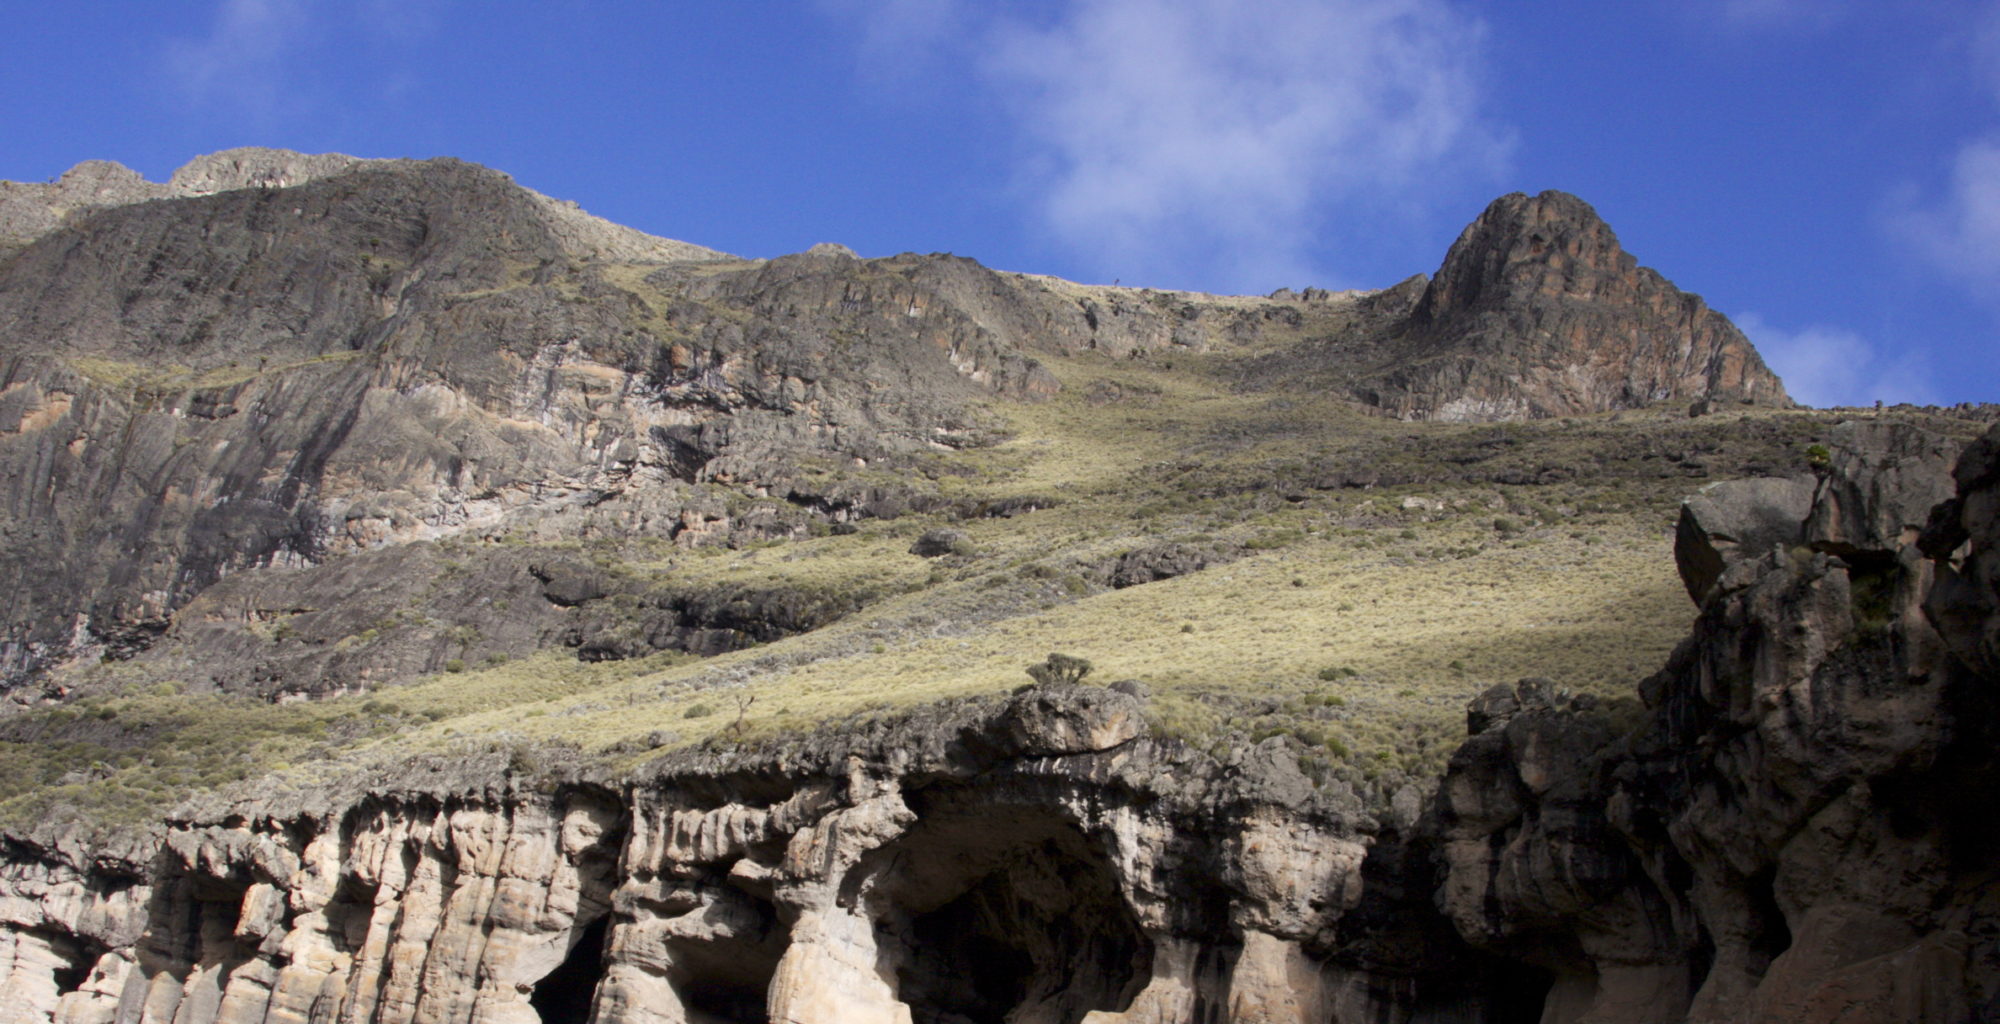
1784, 837
276, 360
1036, 859
291, 427
1787, 838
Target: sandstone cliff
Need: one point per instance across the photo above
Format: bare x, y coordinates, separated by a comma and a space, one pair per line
1789, 837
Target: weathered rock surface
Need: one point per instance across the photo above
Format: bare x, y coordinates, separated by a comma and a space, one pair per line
1033, 859
1785, 838
276, 361
1538, 311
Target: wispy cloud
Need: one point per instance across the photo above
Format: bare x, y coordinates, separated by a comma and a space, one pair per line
1780, 14
1956, 226
901, 38
265, 57
242, 58
1824, 366
1958, 230
1199, 140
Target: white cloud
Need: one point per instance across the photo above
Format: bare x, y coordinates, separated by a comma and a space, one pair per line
242, 58
901, 38
1178, 130
258, 55
1824, 366
1202, 140
1959, 231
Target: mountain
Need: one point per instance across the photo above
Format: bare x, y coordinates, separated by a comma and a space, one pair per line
433, 603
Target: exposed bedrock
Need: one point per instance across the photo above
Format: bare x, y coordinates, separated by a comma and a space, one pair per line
1538, 311
278, 360
1029, 860
1791, 834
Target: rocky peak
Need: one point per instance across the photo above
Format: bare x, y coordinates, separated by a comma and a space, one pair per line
1538, 311
255, 167
1553, 245
30, 210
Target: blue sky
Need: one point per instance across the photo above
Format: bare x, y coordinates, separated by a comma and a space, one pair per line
1827, 172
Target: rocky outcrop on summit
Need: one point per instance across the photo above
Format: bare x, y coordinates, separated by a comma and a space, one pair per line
29, 210
1537, 311
1785, 839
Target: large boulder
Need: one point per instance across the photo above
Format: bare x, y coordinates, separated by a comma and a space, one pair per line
1734, 520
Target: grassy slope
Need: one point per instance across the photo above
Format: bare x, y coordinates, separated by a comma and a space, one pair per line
1356, 622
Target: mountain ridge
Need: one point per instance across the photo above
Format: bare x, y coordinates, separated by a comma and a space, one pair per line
428, 609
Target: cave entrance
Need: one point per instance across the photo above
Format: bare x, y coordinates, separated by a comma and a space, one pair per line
564, 996
1518, 993
726, 977
1005, 915
75, 957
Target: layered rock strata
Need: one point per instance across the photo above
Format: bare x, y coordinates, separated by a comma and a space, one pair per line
275, 361
1035, 859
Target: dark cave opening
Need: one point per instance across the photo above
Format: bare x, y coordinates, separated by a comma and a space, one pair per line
564, 997
961, 966
727, 979
1770, 935
77, 957
70, 977
734, 1002
1517, 993
1004, 915
350, 914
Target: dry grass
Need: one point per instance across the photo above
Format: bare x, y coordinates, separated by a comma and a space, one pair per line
1356, 622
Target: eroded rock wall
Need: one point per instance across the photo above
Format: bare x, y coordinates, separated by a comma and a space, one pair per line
1791, 832
1035, 860
1791, 835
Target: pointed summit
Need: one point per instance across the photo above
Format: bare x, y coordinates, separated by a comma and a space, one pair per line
1538, 311
1553, 245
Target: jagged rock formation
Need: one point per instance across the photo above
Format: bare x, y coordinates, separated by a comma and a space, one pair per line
276, 359
299, 426
1784, 837
1787, 837
1538, 311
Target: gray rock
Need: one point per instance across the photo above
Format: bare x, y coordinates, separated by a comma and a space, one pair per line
1734, 520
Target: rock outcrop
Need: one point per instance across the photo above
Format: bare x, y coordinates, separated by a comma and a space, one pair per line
295, 426
1035, 859
277, 360
1785, 838
1538, 311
